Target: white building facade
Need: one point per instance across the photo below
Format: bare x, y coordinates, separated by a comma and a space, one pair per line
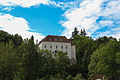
58, 43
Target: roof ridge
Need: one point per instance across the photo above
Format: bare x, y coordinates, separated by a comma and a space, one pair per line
53, 38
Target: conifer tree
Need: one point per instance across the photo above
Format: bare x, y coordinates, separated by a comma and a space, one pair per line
31, 61
83, 33
75, 32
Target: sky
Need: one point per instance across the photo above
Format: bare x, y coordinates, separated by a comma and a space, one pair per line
59, 17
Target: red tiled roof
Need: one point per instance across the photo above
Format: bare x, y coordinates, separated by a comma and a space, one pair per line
98, 76
51, 38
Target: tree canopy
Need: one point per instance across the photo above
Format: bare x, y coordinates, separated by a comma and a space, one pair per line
23, 60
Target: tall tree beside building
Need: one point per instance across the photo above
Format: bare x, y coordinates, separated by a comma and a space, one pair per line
62, 63
84, 48
83, 32
75, 32
30, 60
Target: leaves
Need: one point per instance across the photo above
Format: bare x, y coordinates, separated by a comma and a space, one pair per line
103, 60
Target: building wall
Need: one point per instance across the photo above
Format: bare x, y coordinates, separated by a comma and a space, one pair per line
73, 52
98, 79
70, 49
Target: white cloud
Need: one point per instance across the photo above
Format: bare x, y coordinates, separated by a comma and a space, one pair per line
24, 3
66, 5
83, 17
14, 25
103, 33
112, 9
88, 12
106, 23
117, 35
7, 8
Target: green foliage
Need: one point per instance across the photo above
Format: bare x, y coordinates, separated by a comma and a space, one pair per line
84, 48
17, 40
23, 60
103, 40
79, 77
30, 61
75, 32
8, 61
117, 60
83, 33
104, 60
69, 77
6, 37
62, 62
74, 69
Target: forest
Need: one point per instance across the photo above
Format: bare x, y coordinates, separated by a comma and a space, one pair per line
21, 59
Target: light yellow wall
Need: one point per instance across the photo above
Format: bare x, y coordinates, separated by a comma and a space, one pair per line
98, 79
70, 49
73, 52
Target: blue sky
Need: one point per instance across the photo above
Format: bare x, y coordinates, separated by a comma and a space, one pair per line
59, 17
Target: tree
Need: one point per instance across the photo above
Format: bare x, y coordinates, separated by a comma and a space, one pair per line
118, 64
62, 63
75, 32
84, 48
17, 40
74, 69
103, 40
30, 60
103, 60
8, 61
79, 77
69, 77
48, 68
5, 37
83, 33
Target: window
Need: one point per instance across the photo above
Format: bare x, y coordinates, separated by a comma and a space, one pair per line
66, 47
56, 47
56, 51
50, 39
45, 46
50, 46
56, 39
61, 47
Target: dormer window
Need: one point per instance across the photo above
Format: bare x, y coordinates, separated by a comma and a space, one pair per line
50, 39
56, 39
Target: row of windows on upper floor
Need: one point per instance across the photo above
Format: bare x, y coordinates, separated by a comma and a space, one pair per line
56, 39
56, 47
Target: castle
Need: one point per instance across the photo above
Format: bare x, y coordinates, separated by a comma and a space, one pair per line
58, 43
